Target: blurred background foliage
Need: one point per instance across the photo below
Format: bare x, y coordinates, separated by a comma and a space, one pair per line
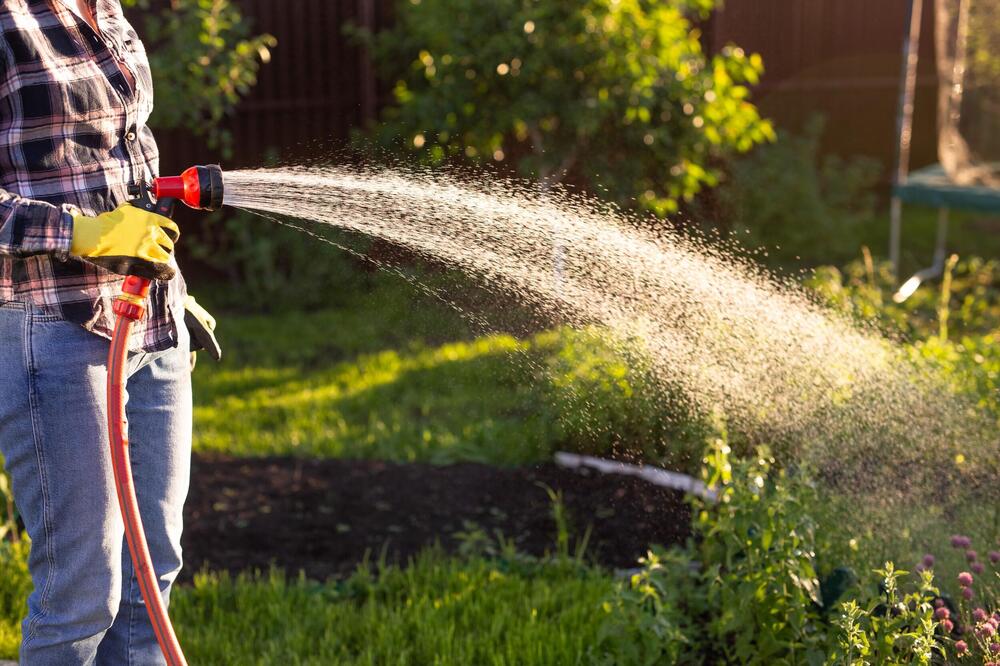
204, 59
614, 95
799, 204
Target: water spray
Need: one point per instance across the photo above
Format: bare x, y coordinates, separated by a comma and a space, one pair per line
199, 187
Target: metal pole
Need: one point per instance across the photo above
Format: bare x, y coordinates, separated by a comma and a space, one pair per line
904, 126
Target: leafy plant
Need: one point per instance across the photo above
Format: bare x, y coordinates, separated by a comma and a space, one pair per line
15, 585
893, 627
864, 288
653, 619
204, 60
9, 530
747, 588
616, 95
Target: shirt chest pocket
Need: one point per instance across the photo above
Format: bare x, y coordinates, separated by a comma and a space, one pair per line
60, 78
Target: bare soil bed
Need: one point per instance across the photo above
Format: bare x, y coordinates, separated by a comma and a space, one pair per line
323, 516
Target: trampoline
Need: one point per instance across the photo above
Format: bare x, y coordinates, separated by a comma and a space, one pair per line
967, 175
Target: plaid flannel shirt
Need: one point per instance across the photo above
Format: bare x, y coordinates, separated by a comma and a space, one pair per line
73, 135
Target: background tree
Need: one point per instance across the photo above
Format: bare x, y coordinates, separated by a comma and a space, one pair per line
614, 94
204, 60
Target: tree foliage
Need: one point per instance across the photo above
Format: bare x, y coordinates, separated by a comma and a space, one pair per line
204, 60
613, 94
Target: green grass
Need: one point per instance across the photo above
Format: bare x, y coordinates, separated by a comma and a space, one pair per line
465, 400
394, 375
439, 610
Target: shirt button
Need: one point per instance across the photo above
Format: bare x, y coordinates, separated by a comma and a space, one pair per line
130, 136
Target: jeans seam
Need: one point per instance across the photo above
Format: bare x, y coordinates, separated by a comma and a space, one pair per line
43, 481
131, 616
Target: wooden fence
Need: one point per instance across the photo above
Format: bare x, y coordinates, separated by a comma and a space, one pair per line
838, 58
317, 87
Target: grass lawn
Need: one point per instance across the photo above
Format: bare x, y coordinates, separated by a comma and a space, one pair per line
438, 611
394, 375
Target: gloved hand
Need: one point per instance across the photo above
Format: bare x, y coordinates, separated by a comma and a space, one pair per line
201, 325
128, 240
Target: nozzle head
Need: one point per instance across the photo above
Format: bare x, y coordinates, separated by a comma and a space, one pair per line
199, 187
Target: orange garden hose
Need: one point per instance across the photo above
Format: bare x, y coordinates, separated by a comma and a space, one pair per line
129, 308
199, 187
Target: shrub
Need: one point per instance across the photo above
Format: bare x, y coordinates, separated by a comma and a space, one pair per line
615, 94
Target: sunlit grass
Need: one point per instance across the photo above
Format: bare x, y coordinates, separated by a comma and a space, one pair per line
473, 400
362, 382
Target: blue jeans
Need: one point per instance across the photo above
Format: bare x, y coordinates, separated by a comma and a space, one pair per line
86, 607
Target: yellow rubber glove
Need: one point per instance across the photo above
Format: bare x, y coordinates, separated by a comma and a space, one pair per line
128, 240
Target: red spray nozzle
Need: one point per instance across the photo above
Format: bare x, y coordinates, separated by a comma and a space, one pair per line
199, 187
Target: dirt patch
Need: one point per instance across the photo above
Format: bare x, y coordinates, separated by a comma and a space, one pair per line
322, 516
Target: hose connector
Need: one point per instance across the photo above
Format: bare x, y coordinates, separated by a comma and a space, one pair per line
131, 303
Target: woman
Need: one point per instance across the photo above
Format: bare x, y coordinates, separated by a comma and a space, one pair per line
75, 95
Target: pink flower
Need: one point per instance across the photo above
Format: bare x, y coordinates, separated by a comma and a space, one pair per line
961, 647
959, 541
986, 631
939, 602
979, 615
942, 613
947, 625
995, 648
929, 560
968, 593
965, 579
977, 568
995, 556
971, 555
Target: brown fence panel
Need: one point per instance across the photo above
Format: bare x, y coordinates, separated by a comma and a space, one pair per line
317, 87
838, 58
